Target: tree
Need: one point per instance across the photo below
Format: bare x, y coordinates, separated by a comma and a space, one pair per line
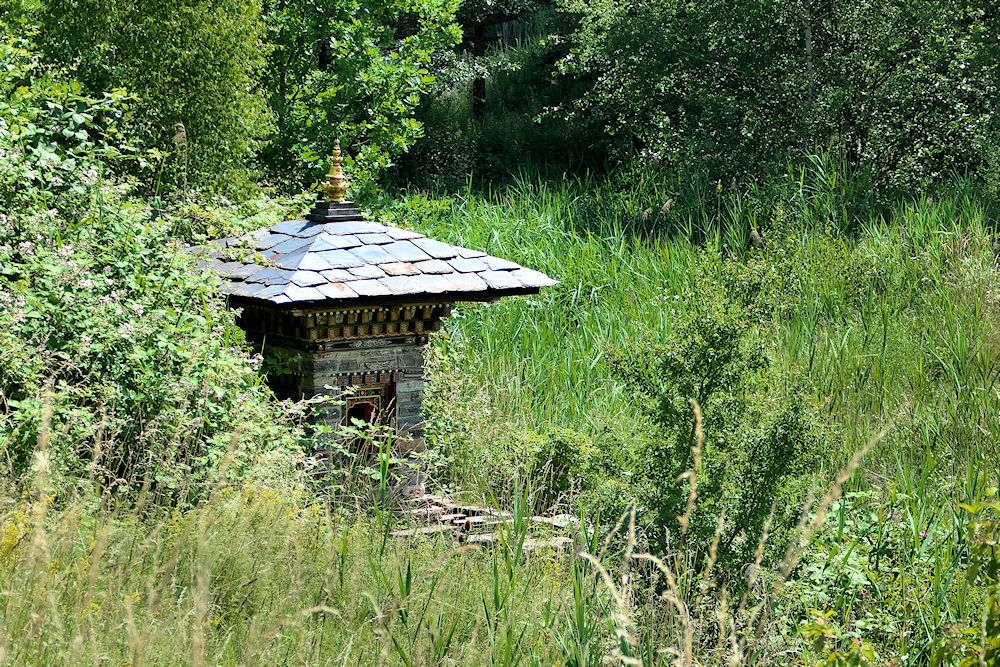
902, 89
222, 84
350, 70
476, 16
193, 62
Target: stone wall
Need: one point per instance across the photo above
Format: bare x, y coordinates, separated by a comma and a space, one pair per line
320, 352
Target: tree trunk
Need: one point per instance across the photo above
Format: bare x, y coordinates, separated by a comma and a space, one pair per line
479, 83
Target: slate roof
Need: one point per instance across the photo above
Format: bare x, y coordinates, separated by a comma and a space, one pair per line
337, 255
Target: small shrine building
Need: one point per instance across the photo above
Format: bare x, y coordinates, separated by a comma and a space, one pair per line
338, 301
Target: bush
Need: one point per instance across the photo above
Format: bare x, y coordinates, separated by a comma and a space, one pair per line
194, 62
555, 461
117, 356
53, 137
760, 436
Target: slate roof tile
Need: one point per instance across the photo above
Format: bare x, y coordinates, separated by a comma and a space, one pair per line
436, 249
370, 288
405, 251
290, 227
309, 231
296, 293
247, 289
467, 265
401, 284
433, 266
210, 264
470, 254
532, 278
305, 261
308, 279
288, 260
339, 275
269, 292
272, 276
245, 271
340, 259
270, 240
402, 234
368, 271
399, 269
352, 227
499, 264
372, 254
315, 261
375, 238
293, 244
333, 242
500, 279
228, 268
467, 282
433, 284
337, 291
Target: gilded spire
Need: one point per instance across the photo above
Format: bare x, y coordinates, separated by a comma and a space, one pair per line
335, 185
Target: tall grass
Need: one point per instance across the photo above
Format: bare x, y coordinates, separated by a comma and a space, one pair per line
893, 317
259, 576
889, 311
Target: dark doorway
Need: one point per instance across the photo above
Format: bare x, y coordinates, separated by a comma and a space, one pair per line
362, 412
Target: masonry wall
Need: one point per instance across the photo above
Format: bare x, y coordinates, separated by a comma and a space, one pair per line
401, 364
308, 357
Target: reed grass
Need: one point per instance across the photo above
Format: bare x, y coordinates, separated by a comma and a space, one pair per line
894, 321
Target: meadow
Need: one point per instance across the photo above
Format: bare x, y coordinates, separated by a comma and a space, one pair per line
866, 330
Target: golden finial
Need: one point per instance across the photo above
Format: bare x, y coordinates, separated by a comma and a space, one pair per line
335, 186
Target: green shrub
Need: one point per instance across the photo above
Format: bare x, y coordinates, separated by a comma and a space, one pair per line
760, 436
54, 139
555, 462
118, 356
